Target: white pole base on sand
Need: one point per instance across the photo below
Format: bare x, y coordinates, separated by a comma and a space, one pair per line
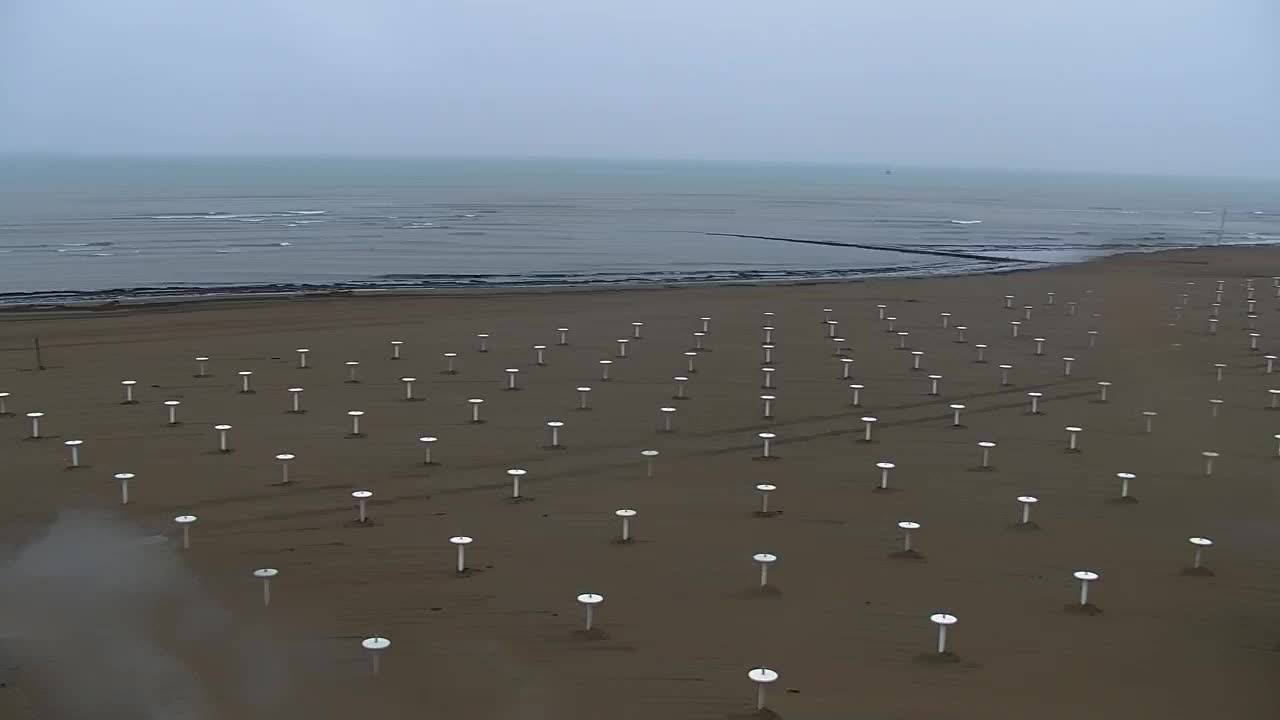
123, 479
1084, 607
764, 560
1201, 544
461, 542
762, 677
185, 522
265, 575
941, 654
375, 646
589, 601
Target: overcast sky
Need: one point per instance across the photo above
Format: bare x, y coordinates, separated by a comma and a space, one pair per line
1165, 86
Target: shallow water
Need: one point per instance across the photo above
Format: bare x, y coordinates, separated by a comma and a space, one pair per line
114, 226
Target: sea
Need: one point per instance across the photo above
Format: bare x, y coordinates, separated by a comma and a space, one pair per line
146, 228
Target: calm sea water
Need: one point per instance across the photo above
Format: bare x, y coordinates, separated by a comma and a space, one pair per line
106, 227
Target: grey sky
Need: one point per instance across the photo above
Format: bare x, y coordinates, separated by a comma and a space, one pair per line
1168, 86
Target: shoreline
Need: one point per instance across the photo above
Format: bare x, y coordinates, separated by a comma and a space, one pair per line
161, 297
136, 297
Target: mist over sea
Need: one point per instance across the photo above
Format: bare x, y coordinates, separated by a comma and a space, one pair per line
119, 227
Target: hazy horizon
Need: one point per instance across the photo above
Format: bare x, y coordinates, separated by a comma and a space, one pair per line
1172, 88
709, 163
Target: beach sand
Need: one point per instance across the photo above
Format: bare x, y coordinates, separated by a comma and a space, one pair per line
93, 623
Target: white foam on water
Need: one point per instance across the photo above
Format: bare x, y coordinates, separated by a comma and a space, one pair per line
964, 222
243, 217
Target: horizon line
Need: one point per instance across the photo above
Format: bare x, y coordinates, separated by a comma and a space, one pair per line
831, 164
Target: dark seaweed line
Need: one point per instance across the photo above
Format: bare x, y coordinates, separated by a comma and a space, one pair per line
885, 248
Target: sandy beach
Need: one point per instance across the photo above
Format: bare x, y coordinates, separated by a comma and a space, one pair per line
97, 619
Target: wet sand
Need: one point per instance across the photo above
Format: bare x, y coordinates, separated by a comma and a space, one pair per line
683, 620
